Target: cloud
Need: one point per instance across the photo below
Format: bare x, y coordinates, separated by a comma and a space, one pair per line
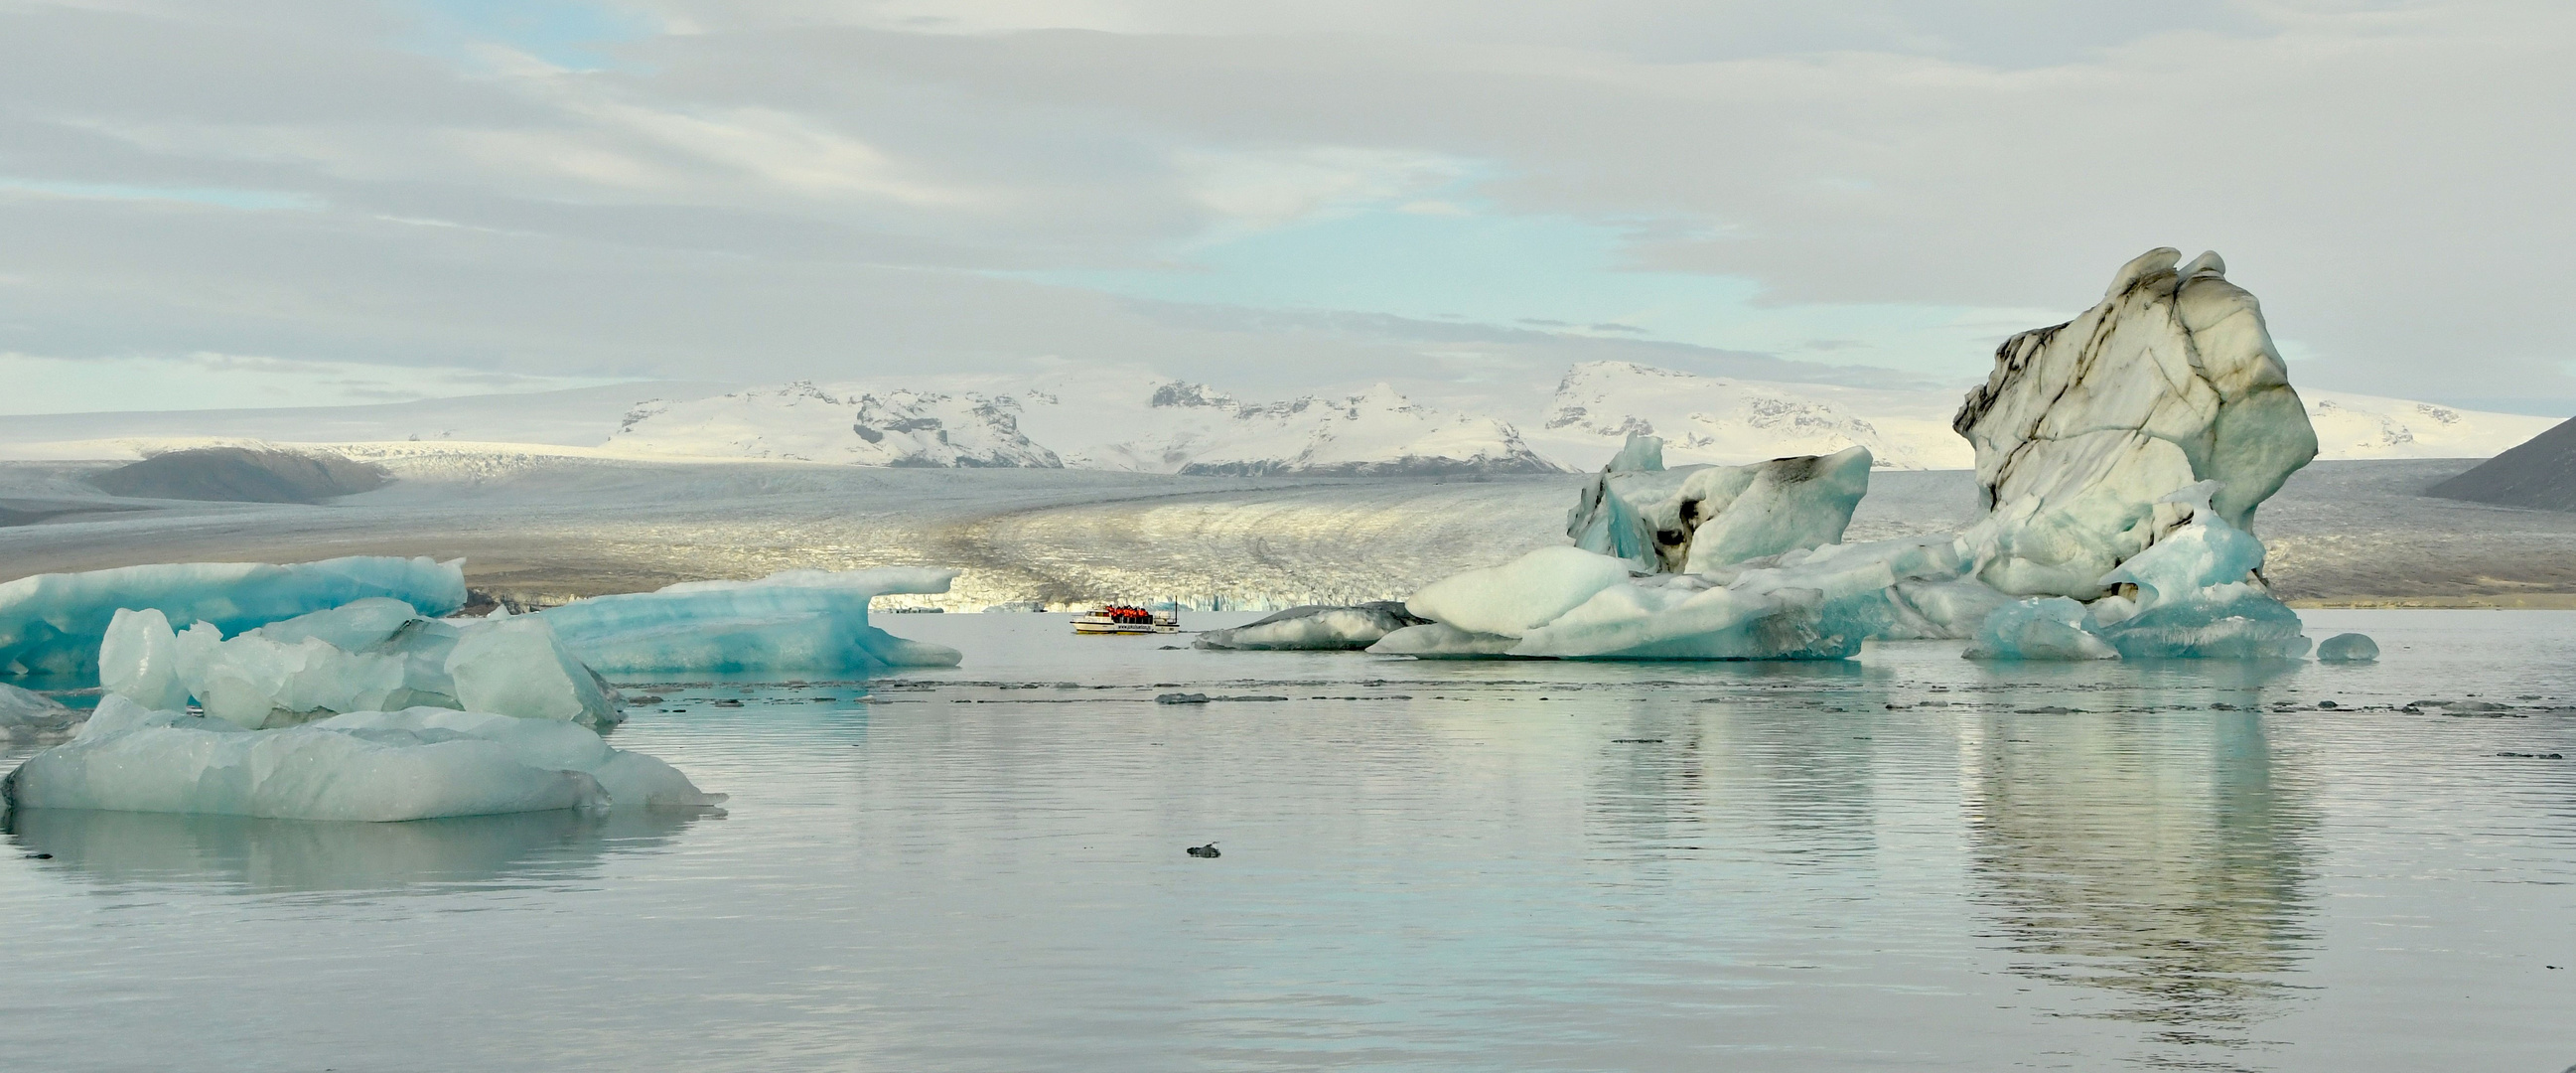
810, 188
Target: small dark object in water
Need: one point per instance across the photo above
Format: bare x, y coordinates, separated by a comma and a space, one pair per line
2535, 756
1208, 850
1636, 741
40, 856
728, 704
645, 699
1181, 698
2325, 704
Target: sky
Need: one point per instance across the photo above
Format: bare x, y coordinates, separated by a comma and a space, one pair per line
270, 202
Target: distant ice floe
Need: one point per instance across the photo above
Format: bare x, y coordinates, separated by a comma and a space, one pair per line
2121, 456
1315, 628
810, 621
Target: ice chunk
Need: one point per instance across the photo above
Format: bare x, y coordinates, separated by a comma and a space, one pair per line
2082, 428
29, 714
797, 620
298, 670
1315, 627
1520, 595
1641, 454
515, 666
139, 659
1698, 518
406, 765
2198, 595
2348, 648
53, 623
2050, 628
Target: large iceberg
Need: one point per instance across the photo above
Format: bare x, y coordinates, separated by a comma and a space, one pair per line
1315, 627
1697, 518
52, 623
2083, 429
2121, 456
813, 621
381, 766
372, 655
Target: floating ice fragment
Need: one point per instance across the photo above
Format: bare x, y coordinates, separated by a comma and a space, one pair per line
2348, 648
53, 623
2051, 628
797, 620
1315, 627
29, 714
1520, 595
381, 766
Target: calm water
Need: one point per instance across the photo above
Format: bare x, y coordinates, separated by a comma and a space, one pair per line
1907, 862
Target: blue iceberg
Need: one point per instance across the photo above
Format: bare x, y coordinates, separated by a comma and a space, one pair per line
809, 621
52, 624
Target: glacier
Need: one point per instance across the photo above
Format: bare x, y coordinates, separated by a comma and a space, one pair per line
2120, 457
414, 764
52, 624
811, 621
1314, 628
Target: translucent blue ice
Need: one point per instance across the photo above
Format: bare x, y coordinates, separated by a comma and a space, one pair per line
52, 623
811, 621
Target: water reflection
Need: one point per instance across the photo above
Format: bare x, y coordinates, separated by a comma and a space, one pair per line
2162, 859
123, 849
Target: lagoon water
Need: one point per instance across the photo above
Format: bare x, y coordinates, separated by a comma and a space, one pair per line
1904, 862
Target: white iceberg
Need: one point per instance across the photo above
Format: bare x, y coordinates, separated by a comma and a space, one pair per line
53, 623
1315, 628
372, 655
1698, 518
813, 621
2083, 428
376, 766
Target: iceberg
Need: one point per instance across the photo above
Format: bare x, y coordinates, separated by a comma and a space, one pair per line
53, 623
2120, 456
376, 766
27, 714
2196, 594
813, 621
2083, 428
1315, 628
373, 655
1697, 518
2348, 648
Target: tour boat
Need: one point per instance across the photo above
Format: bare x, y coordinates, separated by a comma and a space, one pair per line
1121, 618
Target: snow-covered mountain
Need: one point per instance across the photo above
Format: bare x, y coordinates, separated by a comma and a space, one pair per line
1089, 422
2367, 426
1731, 422
853, 425
1712, 419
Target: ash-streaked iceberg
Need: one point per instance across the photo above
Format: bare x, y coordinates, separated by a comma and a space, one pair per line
1699, 518
375, 766
2083, 429
372, 655
52, 624
1315, 628
2125, 450
810, 621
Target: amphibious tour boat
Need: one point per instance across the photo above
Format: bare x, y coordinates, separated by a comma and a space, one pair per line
1121, 618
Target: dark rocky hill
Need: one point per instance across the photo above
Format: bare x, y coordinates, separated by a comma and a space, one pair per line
2540, 474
